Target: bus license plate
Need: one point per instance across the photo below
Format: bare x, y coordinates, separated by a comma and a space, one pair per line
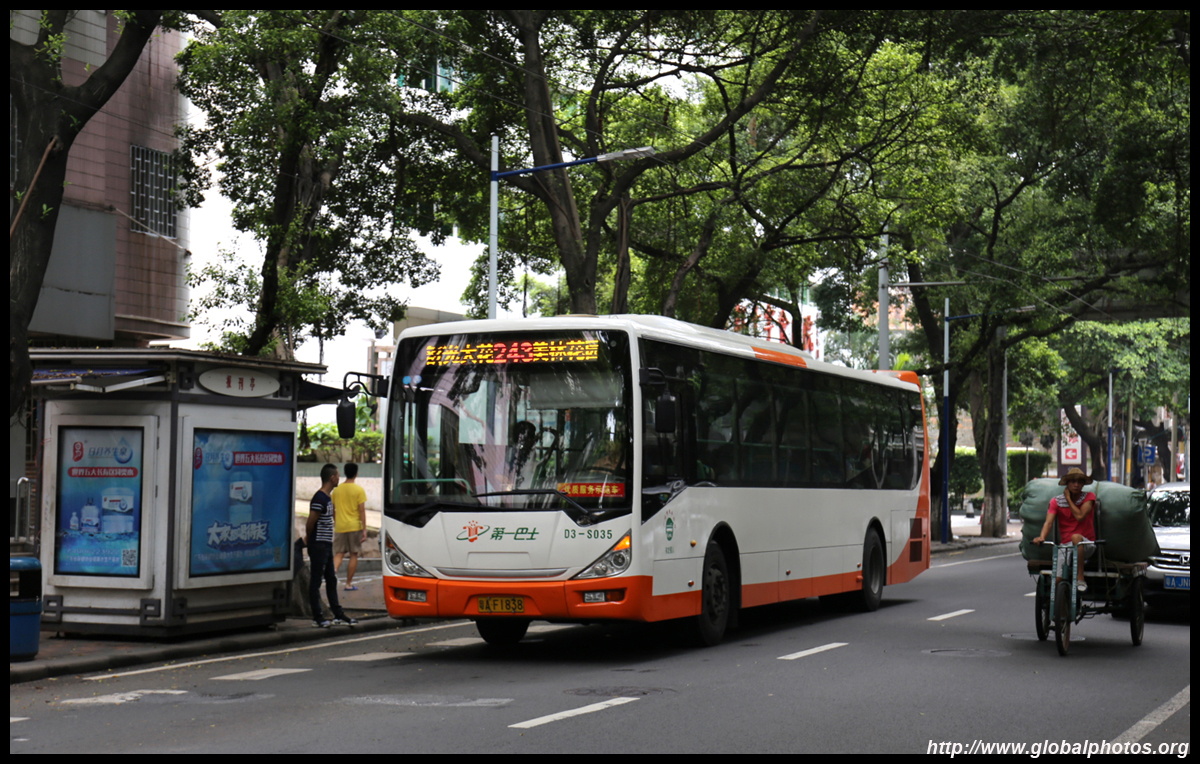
501, 604
1178, 582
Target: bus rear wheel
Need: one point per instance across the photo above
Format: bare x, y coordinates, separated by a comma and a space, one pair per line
874, 572
715, 599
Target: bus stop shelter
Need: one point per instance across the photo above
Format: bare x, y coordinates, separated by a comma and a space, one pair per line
167, 482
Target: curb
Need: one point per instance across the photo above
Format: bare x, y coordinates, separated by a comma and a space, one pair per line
28, 671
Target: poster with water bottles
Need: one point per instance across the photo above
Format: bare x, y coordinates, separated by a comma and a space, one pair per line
98, 524
241, 501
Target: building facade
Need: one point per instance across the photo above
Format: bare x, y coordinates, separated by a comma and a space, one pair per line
117, 273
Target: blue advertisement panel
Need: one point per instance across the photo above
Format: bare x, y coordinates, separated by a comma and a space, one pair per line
241, 501
98, 524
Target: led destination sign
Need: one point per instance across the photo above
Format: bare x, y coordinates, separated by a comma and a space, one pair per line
516, 351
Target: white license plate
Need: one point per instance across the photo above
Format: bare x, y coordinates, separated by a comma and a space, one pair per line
1178, 582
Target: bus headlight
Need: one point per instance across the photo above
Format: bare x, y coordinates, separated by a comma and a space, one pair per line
400, 563
613, 562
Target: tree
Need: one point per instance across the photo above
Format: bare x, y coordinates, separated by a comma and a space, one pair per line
1151, 361
304, 110
51, 111
529, 82
1033, 237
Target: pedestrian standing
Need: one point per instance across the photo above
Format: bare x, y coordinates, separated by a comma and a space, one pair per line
318, 535
349, 524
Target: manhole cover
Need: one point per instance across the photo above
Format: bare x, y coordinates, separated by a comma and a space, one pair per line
966, 652
619, 692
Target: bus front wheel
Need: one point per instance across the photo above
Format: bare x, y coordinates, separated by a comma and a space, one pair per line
715, 598
502, 632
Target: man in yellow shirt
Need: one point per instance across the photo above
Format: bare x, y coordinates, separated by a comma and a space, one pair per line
349, 524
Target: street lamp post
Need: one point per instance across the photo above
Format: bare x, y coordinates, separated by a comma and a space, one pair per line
493, 234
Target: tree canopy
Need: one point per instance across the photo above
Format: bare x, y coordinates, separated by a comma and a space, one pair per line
1041, 158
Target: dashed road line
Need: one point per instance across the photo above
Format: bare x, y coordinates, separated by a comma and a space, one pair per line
573, 712
255, 676
117, 698
813, 651
944, 616
369, 657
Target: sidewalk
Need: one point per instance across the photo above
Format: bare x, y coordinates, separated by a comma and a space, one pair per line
78, 654
965, 534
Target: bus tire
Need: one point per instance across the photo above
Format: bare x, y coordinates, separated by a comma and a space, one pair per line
715, 598
874, 572
502, 632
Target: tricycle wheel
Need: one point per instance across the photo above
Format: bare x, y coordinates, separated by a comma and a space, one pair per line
1062, 619
1137, 611
1041, 604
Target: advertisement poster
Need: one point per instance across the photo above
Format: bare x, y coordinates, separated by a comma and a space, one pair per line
99, 520
241, 501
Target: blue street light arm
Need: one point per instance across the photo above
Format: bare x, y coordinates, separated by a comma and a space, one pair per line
644, 151
494, 202
529, 170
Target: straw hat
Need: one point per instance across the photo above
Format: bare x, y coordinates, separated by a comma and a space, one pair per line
1074, 473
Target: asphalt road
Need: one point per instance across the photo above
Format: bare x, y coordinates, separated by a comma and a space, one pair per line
805, 677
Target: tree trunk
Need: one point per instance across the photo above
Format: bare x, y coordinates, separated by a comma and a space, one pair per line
993, 456
47, 109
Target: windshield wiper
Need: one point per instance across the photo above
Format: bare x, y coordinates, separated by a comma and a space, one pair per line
579, 514
535, 492
420, 516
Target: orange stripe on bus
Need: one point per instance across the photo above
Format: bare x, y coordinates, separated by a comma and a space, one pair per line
553, 600
780, 357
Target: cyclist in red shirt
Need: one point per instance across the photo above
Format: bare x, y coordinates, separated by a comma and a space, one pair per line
1076, 520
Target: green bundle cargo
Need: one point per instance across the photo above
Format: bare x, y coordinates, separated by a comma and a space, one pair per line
1124, 523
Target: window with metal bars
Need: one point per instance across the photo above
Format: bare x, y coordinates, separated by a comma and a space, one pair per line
152, 188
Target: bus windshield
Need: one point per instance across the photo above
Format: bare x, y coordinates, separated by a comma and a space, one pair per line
510, 421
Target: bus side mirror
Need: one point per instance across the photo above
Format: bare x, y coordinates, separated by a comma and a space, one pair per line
665, 414
345, 418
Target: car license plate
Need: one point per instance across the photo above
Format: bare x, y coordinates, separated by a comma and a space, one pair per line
501, 604
1178, 582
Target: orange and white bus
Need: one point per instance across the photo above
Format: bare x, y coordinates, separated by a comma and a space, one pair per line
582, 469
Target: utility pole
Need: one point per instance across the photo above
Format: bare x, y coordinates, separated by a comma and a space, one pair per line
885, 350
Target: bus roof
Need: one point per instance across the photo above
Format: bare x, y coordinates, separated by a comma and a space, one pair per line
669, 330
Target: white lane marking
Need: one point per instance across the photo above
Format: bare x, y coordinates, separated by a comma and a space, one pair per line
460, 642
573, 712
1031, 594
1155, 717
968, 562
944, 616
813, 651
15, 719
368, 657
172, 666
117, 698
428, 701
254, 676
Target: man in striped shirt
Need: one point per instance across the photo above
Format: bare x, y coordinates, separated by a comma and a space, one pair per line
318, 536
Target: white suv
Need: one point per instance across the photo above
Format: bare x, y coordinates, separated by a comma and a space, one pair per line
1170, 572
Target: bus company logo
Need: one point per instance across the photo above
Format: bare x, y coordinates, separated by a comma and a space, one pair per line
670, 528
472, 531
77, 452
